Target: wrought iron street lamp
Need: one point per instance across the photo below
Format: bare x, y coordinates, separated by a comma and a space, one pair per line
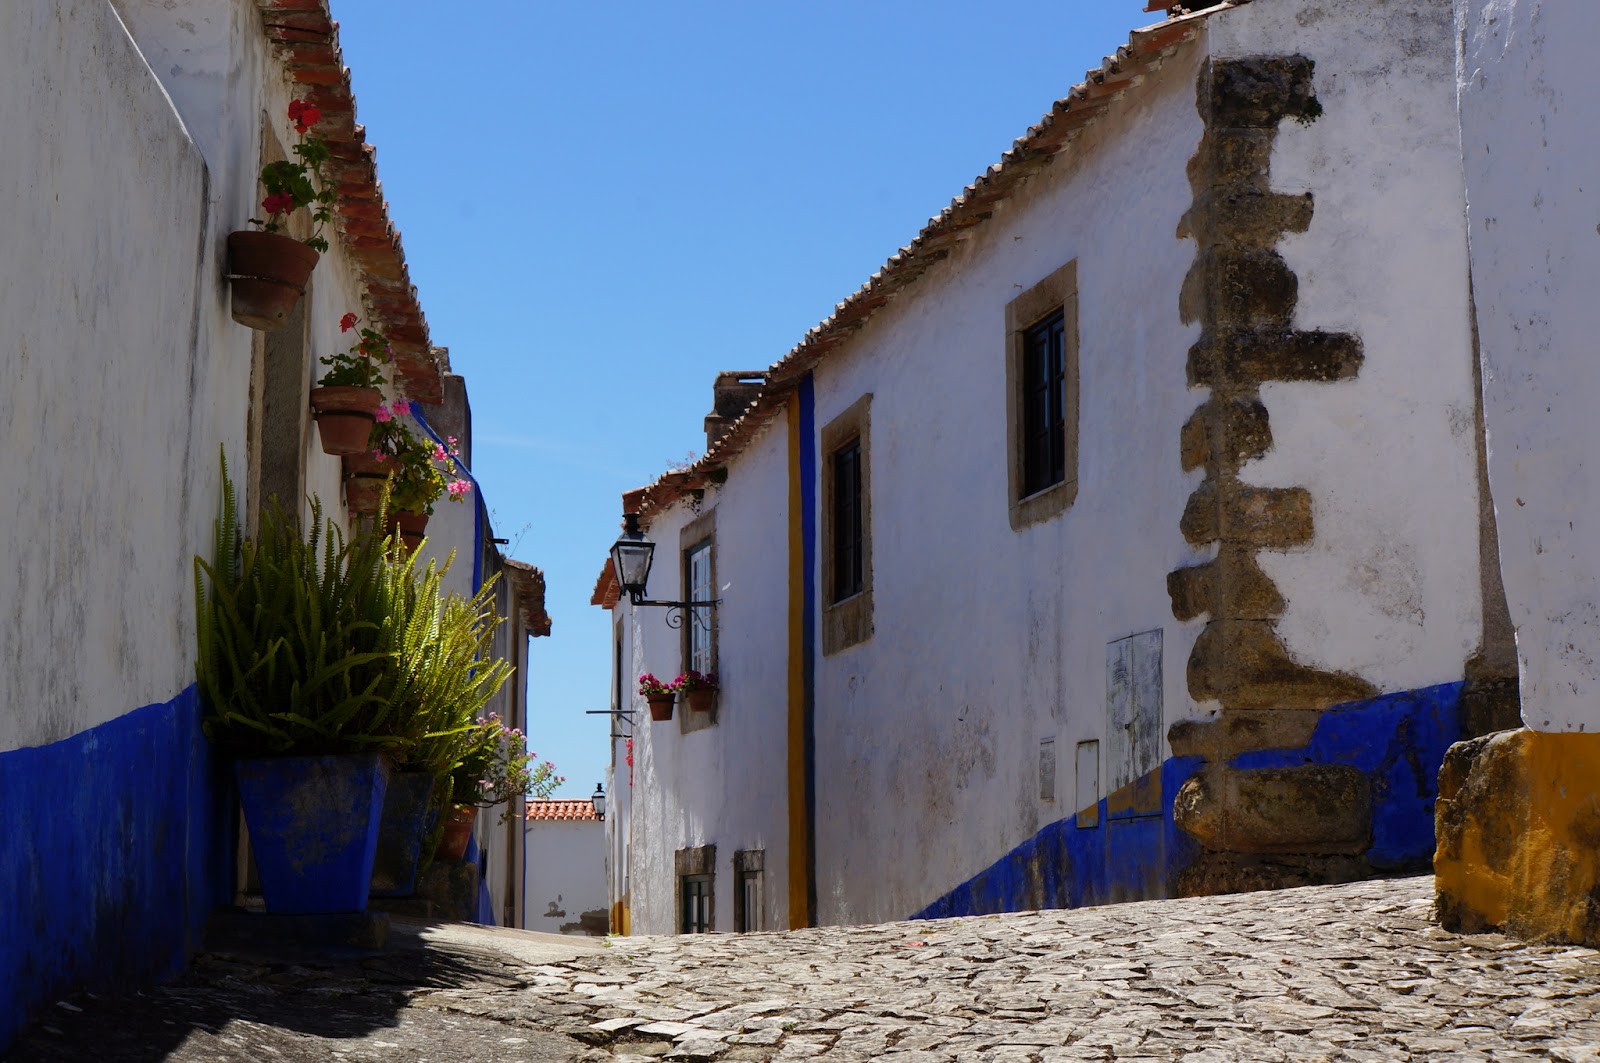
598, 799
631, 556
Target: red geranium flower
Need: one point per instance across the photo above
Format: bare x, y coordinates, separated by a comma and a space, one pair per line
347, 322
304, 115
278, 203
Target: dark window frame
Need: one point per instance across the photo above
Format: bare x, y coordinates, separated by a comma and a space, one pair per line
1042, 398
701, 532
846, 586
748, 865
695, 878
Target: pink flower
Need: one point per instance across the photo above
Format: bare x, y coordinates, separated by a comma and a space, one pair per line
457, 488
348, 322
378, 455
438, 453
402, 406
382, 414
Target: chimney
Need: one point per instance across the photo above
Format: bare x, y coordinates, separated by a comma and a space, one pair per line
731, 395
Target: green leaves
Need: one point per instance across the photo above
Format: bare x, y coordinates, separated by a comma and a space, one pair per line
314, 644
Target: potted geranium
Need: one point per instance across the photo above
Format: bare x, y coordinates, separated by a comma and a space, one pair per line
346, 399
268, 269
699, 689
495, 767
424, 472
661, 696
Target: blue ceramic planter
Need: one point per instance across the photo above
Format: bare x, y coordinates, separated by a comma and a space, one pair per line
406, 819
313, 828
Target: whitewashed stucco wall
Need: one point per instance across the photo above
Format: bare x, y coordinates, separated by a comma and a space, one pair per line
119, 386
566, 862
989, 640
1533, 192
138, 127
724, 785
1389, 587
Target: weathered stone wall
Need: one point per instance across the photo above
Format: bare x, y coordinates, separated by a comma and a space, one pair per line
1314, 529
1519, 812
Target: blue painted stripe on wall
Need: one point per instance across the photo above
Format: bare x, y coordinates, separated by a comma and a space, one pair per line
1398, 740
114, 848
808, 535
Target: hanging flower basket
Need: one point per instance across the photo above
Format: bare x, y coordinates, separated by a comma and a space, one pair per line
411, 526
700, 700
268, 272
344, 417
661, 706
458, 825
362, 494
364, 463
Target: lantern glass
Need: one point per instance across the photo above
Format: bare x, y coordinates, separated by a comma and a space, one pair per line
631, 557
599, 800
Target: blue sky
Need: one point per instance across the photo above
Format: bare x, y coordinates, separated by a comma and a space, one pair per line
604, 204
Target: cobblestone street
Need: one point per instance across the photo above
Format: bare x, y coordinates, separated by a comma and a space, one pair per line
1353, 972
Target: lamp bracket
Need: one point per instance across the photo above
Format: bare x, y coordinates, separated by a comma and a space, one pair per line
675, 610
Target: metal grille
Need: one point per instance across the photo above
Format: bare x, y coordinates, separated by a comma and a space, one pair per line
848, 526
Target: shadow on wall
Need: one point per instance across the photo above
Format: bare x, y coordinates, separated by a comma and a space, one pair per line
1129, 848
114, 849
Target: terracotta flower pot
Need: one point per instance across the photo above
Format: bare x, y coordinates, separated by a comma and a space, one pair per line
345, 417
458, 825
362, 463
411, 526
661, 706
362, 494
268, 272
700, 700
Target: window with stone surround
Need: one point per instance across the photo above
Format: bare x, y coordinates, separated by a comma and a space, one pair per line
1042, 398
697, 547
749, 871
847, 528
696, 875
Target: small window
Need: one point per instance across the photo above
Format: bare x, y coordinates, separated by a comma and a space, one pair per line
697, 545
749, 867
696, 869
1043, 408
847, 544
697, 566
695, 917
1042, 398
846, 533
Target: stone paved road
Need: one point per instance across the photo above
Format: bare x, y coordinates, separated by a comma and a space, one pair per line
1354, 972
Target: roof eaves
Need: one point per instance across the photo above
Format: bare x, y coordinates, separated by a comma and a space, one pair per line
1146, 50
527, 594
306, 39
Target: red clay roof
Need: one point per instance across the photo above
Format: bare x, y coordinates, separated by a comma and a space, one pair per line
527, 594
1145, 51
560, 809
607, 592
306, 39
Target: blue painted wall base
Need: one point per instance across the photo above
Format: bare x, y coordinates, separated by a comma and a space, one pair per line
114, 848
1131, 849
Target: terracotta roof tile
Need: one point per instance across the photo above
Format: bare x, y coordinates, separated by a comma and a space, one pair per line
1145, 51
607, 591
306, 39
527, 594
559, 809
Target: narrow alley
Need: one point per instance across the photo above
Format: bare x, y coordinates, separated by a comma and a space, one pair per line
1348, 972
